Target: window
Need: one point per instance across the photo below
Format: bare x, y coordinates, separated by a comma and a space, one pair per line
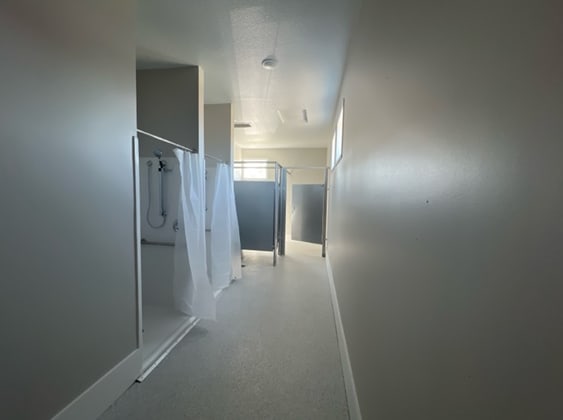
252, 169
336, 154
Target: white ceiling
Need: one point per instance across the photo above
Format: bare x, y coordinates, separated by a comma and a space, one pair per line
230, 38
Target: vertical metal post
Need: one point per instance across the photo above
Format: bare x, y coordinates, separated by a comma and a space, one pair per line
276, 213
283, 215
137, 238
325, 214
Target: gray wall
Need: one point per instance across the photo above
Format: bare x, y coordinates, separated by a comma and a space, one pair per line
219, 131
446, 232
67, 299
168, 105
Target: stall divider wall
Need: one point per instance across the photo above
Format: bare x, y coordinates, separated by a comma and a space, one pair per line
168, 105
219, 126
258, 206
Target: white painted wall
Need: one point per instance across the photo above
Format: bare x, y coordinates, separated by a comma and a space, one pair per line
68, 295
446, 234
288, 156
237, 152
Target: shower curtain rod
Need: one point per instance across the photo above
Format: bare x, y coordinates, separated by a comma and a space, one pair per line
214, 158
320, 168
179, 146
266, 162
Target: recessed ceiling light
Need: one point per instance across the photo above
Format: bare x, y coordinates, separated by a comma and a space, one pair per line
269, 63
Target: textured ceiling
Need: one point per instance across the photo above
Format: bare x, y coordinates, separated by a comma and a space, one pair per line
230, 38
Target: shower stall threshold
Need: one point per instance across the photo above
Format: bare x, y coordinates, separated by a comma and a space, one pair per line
164, 329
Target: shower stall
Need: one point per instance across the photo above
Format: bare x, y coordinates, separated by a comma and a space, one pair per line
159, 182
184, 259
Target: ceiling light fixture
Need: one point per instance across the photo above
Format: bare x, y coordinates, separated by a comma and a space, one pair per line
293, 116
269, 63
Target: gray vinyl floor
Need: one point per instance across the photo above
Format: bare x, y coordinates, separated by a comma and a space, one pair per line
271, 354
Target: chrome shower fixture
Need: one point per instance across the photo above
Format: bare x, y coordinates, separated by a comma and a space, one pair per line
162, 169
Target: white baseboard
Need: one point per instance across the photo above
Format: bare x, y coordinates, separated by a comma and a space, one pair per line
351, 395
96, 399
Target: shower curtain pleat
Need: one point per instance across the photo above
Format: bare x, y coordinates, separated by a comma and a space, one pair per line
225, 240
193, 292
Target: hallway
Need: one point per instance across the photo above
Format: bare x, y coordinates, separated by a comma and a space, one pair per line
272, 354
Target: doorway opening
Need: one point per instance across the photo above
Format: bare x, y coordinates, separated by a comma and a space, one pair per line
306, 208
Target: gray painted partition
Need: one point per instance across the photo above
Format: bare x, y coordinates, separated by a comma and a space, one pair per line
307, 213
446, 235
255, 201
68, 291
168, 105
219, 134
259, 205
282, 225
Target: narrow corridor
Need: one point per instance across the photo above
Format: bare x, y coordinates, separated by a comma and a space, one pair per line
272, 354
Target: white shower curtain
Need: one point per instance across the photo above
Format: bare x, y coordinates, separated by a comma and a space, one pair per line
224, 258
193, 292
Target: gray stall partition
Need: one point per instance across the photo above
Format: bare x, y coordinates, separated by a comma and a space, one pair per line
282, 211
308, 213
256, 205
259, 204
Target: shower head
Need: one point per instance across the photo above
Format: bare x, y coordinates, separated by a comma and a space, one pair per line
157, 153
